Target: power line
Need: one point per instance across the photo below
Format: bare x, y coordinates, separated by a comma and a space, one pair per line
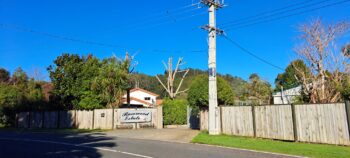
278, 13
168, 15
264, 13
260, 21
252, 54
173, 21
65, 38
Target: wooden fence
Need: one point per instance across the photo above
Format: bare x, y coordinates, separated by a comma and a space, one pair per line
86, 119
316, 123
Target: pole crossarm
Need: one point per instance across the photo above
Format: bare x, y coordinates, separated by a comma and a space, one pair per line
210, 29
215, 3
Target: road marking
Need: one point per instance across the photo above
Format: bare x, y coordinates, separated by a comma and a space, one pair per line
217, 146
76, 145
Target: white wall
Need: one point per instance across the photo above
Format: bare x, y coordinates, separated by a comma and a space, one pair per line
141, 95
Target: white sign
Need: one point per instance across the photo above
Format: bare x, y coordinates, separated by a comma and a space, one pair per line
133, 116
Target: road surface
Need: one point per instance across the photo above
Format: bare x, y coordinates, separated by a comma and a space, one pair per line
76, 145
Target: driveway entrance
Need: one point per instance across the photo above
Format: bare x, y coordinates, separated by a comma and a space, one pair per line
172, 135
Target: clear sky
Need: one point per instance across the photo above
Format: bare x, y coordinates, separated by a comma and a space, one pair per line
155, 30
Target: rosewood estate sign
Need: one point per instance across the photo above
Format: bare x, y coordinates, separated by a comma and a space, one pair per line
134, 116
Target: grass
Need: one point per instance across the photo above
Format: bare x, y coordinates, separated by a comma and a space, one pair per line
292, 148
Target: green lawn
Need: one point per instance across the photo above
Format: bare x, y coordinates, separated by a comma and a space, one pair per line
292, 148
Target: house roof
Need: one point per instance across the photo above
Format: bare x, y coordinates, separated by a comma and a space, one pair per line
159, 101
138, 100
145, 91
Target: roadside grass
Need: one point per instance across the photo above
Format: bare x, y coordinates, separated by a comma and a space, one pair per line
284, 147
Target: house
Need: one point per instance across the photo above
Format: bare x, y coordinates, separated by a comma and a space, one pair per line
286, 96
141, 98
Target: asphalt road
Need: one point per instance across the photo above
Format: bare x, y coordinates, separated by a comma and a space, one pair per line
67, 145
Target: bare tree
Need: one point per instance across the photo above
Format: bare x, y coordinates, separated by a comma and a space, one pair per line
169, 87
130, 66
328, 66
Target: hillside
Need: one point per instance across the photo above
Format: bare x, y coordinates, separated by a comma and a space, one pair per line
151, 83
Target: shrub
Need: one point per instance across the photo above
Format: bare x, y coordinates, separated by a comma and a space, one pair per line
198, 92
175, 112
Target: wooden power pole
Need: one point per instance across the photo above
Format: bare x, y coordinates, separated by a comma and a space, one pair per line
214, 119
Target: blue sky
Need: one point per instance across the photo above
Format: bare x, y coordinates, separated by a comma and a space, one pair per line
146, 27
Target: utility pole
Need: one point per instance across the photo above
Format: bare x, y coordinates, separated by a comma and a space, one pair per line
214, 119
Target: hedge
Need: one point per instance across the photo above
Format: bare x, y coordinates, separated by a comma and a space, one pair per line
175, 112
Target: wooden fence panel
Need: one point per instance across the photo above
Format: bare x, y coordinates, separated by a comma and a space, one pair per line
36, 119
50, 119
237, 120
274, 121
103, 118
204, 120
84, 119
67, 119
322, 123
23, 120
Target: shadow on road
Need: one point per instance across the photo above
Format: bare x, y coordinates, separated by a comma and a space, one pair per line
53, 144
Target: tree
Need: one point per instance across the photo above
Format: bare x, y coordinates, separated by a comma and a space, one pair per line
289, 78
346, 50
4, 75
170, 88
258, 90
72, 77
198, 92
328, 66
12, 99
112, 81
19, 78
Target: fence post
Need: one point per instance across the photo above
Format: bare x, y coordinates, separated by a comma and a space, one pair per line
295, 131
58, 119
16, 120
112, 118
347, 111
254, 123
42, 119
221, 128
29, 119
93, 118
75, 119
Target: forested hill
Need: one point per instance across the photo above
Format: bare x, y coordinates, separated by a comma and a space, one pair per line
151, 83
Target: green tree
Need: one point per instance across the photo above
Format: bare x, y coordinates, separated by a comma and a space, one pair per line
72, 77
258, 90
4, 75
289, 78
11, 99
198, 92
112, 81
19, 78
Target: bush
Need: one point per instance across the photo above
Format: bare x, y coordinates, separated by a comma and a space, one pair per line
198, 92
175, 112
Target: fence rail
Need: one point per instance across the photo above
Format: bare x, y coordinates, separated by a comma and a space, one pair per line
316, 123
86, 119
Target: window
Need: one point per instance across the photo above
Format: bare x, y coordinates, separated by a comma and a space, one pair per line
147, 98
